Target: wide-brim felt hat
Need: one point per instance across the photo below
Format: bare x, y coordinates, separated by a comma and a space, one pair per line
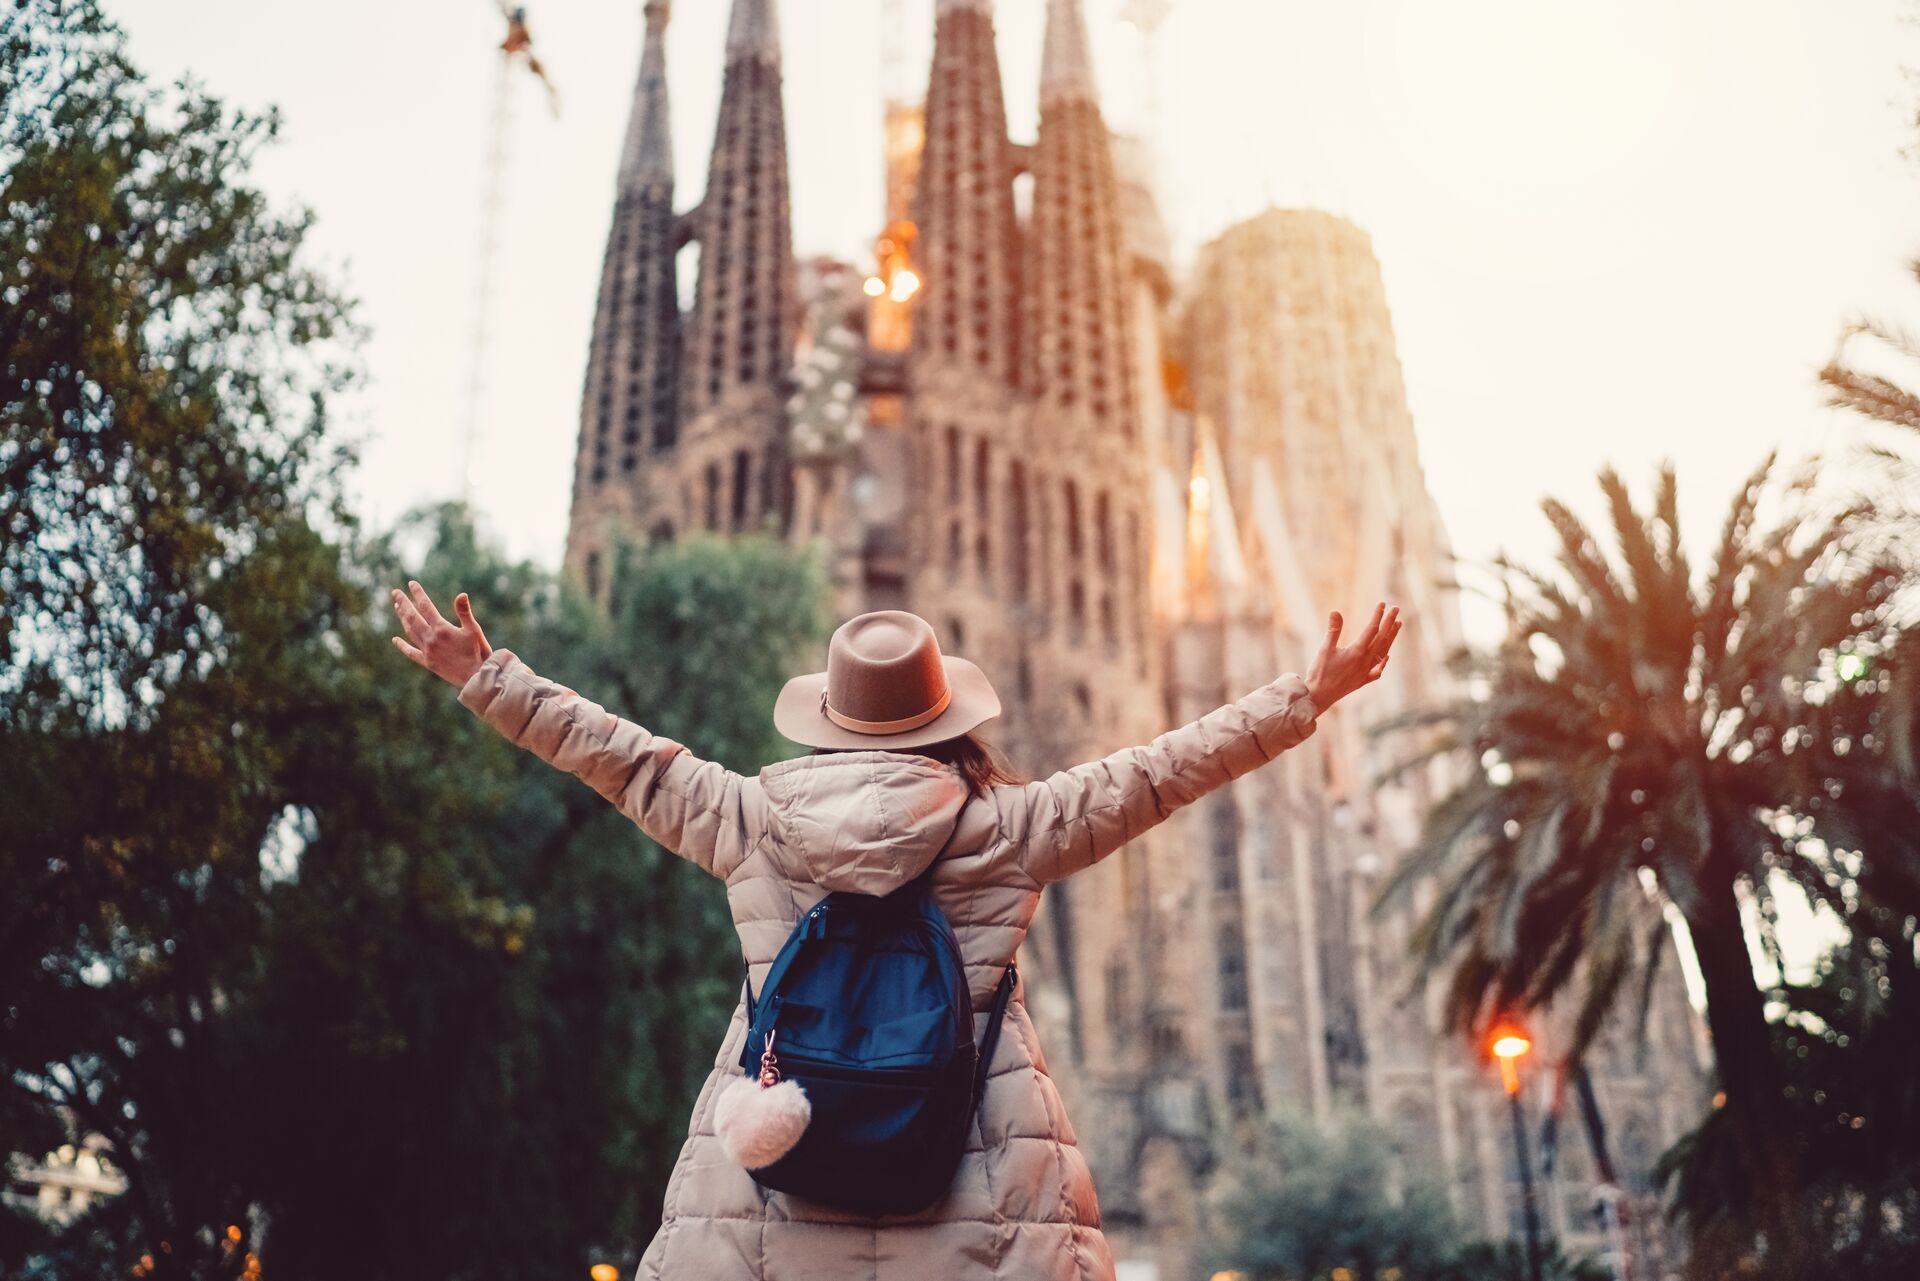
887, 687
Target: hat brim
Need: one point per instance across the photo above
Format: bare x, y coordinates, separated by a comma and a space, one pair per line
797, 714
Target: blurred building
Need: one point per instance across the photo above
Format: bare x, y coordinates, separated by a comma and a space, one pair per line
1130, 494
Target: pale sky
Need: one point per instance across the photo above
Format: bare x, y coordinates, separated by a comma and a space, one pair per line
1610, 232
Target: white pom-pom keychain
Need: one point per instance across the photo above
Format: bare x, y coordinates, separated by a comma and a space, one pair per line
760, 1119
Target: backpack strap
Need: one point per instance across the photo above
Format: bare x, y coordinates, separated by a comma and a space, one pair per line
990, 1039
812, 925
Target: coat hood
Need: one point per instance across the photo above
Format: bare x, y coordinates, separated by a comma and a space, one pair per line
868, 822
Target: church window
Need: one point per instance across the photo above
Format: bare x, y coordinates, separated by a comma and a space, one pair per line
1017, 534
982, 476
1117, 1005
1073, 519
1103, 528
1233, 971
770, 481
742, 474
1223, 833
713, 496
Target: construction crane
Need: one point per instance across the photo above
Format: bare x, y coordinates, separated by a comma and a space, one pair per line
516, 56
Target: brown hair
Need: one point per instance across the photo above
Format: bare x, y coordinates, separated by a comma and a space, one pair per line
978, 761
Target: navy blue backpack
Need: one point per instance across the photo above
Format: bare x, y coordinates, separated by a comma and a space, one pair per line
868, 1010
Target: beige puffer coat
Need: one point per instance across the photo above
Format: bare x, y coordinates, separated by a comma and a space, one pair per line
1022, 1206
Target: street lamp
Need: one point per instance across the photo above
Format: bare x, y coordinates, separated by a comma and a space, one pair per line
1509, 1045
604, 1272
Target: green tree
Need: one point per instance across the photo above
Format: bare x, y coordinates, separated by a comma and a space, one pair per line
1507, 1261
517, 1096
1706, 736
1295, 1200
326, 962
165, 595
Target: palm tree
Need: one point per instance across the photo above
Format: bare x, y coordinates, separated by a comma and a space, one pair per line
1879, 396
1646, 739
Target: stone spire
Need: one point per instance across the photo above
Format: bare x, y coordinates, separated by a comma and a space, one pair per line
1076, 335
1066, 62
753, 32
968, 241
629, 413
648, 154
741, 333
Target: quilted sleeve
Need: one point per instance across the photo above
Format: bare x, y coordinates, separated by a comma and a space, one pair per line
1060, 825
693, 807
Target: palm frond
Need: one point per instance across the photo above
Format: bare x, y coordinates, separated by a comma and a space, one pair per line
1719, 615
1539, 850
1609, 962
1871, 396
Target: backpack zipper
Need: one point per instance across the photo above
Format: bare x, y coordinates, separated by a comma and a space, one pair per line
792, 1067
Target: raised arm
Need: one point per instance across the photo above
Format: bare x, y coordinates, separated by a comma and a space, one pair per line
690, 806
1070, 821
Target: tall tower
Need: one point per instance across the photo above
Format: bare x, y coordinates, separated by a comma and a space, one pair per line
971, 547
740, 340
1078, 352
968, 241
1079, 358
629, 412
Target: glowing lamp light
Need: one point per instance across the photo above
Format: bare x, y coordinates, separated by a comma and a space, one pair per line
1201, 490
1508, 1046
1511, 1046
233, 1233
604, 1272
1850, 667
874, 286
905, 284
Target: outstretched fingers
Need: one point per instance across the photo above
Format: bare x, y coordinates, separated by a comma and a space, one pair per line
1383, 646
1372, 634
410, 618
428, 610
1384, 641
413, 655
464, 609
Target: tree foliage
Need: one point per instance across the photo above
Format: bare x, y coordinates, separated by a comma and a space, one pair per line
346, 982
1713, 736
1300, 1200
1296, 1200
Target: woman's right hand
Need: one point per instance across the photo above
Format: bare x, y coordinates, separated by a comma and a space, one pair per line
452, 653
1339, 670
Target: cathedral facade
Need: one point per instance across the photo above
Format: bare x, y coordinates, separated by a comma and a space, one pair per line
1130, 495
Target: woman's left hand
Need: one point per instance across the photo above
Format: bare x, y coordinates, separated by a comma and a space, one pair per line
1339, 669
452, 653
